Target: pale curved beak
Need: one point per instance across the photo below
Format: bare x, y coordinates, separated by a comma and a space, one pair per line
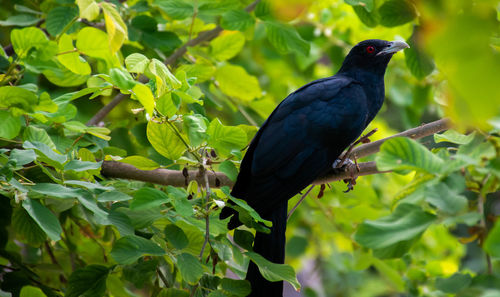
393, 46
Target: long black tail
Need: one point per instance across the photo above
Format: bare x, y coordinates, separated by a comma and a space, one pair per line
272, 247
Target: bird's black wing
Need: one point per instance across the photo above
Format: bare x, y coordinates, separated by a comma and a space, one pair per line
300, 140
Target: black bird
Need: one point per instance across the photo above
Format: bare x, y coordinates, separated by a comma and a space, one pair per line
301, 140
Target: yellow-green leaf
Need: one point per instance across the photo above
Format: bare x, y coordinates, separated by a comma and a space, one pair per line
88, 9
145, 96
234, 81
164, 79
71, 60
165, 141
93, 42
227, 45
115, 26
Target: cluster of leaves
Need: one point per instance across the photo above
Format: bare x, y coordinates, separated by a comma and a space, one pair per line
67, 230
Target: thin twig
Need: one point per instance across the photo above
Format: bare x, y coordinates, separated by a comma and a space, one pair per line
207, 208
162, 277
299, 202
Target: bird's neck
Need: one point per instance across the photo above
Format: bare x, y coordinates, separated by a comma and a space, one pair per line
373, 85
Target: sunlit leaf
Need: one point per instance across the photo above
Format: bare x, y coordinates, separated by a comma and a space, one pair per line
227, 45
234, 81
116, 28
88, 9
145, 96
165, 141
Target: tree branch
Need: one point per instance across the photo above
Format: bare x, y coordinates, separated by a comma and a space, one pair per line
202, 37
113, 169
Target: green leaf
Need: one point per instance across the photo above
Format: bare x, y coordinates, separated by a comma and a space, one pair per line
54, 190
116, 28
176, 236
226, 138
364, 16
88, 281
93, 43
236, 287
263, 10
180, 201
396, 12
286, 39
11, 125
393, 275
72, 61
234, 81
17, 97
237, 20
128, 249
21, 20
34, 134
113, 196
25, 227
453, 137
122, 79
164, 79
274, 272
401, 153
23, 40
196, 126
30, 291
22, 157
88, 9
367, 4
227, 45
419, 63
229, 169
136, 63
141, 162
492, 242
58, 18
44, 218
46, 154
407, 222
63, 77
145, 96
446, 198
243, 204
79, 166
176, 9
166, 104
244, 239
173, 292
165, 141
454, 283
190, 268
148, 198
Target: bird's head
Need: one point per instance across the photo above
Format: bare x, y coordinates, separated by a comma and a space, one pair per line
372, 55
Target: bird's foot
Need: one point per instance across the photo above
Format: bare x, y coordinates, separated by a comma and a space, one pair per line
340, 165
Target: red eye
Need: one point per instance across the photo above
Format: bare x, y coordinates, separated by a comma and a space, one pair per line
370, 49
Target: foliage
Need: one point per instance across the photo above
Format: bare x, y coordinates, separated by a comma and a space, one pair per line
65, 229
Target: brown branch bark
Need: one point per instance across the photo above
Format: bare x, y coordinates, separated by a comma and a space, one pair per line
177, 54
113, 169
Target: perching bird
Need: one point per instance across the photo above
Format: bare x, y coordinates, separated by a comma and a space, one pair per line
301, 140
